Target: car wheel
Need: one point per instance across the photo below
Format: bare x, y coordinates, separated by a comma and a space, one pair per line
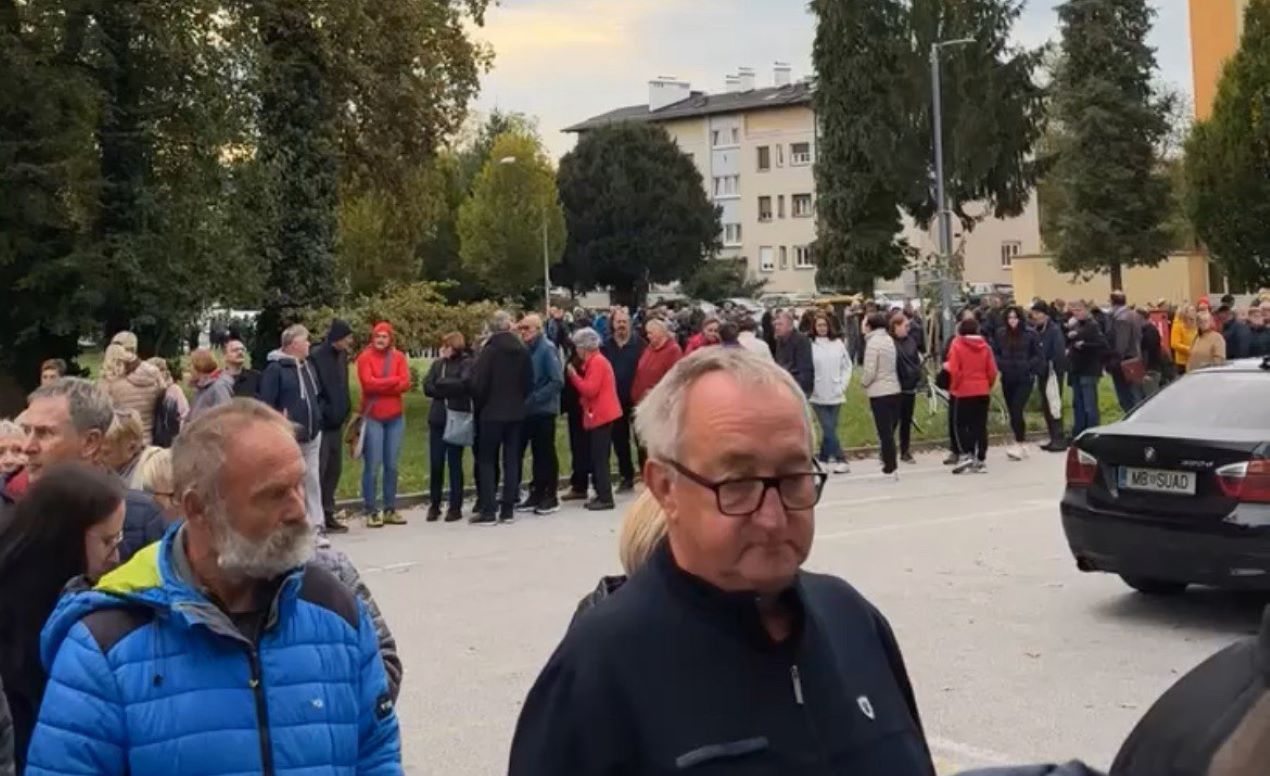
1151, 586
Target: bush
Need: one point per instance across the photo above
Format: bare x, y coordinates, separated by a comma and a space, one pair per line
419, 313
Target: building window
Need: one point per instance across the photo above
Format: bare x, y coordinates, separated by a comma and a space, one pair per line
765, 259
764, 209
764, 158
727, 185
801, 206
780, 204
784, 257
736, 135
802, 257
715, 135
799, 154
1009, 250
731, 234
780, 154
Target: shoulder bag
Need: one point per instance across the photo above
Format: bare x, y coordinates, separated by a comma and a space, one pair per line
460, 427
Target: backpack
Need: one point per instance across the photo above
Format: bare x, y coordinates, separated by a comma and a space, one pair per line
167, 422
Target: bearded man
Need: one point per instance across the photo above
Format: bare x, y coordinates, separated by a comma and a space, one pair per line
219, 649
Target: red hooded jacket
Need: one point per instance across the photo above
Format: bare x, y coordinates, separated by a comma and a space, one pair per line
385, 391
971, 367
597, 392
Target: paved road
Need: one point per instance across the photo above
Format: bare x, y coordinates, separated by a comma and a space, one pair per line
1015, 656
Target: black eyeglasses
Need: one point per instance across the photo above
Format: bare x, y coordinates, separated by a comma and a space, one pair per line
742, 496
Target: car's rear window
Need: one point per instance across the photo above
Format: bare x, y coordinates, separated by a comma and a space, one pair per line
1215, 399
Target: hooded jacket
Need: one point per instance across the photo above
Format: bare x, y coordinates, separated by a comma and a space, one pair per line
382, 388
211, 390
138, 390
972, 370
147, 675
544, 394
331, 365
290, 386
597, 391
502, 378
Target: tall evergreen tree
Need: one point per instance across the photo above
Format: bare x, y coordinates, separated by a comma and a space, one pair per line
1110, 123
1228, 161
862, 105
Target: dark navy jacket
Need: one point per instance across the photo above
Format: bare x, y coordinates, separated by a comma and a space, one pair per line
291, 387
624, 360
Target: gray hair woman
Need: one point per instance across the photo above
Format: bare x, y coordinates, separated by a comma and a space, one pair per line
597, 393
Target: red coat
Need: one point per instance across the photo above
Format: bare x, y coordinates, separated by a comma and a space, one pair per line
971, 367
653, 366
597, 392
386, 391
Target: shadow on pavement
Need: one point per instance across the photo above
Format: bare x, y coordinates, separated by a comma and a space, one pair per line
1223, 611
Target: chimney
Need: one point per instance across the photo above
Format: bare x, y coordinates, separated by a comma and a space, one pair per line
746, 77
733, 83
667, 90
781, 74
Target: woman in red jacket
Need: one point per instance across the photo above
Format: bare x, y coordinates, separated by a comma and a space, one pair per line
972, 370
597, 392
384, 375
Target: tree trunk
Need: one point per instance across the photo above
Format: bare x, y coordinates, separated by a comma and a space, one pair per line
1117, 279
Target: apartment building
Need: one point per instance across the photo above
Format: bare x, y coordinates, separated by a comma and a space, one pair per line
756, 149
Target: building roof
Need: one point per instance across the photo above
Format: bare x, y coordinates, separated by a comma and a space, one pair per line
701, 104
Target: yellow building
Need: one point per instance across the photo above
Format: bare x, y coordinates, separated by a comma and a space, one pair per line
1182, 277
1216, 26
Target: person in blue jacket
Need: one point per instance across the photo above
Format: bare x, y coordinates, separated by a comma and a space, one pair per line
219, 649
542, 405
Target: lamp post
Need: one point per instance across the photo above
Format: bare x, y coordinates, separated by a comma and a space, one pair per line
546, 260
944, 223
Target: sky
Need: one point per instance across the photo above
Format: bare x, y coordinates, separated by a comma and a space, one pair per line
567, 60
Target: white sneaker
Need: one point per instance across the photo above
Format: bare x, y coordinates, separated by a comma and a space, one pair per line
1014, 452
1026, 451
841, 467
966, 463
321, 542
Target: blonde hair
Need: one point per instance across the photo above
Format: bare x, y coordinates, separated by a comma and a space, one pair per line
126, 429
10, 429
643, 527
154, 474
117, 362
161, 365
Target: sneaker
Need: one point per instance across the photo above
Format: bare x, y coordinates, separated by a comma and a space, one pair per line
952, 459
343, 515
1014, 453
595, 505
841, 467
979, 467
453, 515
626, 486
393, 517
908, 458
434, 514
320, 541
506, 515
530, 504
964, 464
547, 507
374, 520
485, 520
1058, 446
573, 495
334, 526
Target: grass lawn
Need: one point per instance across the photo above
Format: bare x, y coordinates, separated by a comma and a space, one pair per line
855, 427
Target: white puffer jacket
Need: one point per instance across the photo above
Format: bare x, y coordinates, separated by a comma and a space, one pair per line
833, 370
880, 376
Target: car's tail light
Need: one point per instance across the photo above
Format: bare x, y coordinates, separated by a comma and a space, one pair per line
1248, 481
1082, 467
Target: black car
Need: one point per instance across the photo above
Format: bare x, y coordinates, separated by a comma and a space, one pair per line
1179, 491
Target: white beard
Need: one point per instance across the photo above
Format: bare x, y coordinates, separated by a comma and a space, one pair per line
288, 548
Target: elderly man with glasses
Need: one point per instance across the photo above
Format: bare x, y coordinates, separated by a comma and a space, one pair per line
721, 655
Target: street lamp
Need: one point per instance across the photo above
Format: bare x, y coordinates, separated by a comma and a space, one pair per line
941, 197
546, 261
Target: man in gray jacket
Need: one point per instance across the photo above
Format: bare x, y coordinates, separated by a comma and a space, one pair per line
1126, 345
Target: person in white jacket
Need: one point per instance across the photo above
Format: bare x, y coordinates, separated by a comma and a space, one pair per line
881, 382
833, 367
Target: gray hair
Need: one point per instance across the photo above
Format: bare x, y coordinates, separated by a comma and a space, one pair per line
659, 417
9, 429
500, 321
657, 323
90, 407
586, 338
199, 451
293, 333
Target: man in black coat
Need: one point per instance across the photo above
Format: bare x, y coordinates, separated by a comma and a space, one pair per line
720, 655
793, 352
1086, 349
501, 380
623, 349
246, 380
330, 362
1054, 356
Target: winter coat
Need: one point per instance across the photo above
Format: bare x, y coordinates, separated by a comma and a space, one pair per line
174, 394
833, 367
1053, 347
1153, 354
1209, 349
290, 387
597, 391
908, 362
653, 365
544, 393
1086, 345
211, 390
247, 383
602, 592
696, 342
149, 676
625, 360
1125, 335
331, 366
1238, 339
1181, 337
972, 370
138, 390
881, 376
502, 378
143, 523
794, 354
1260, 342
1019, 358
7, 767
382, 388
446, 384
339, 565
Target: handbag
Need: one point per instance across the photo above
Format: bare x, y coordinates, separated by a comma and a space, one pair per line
1053, 397
1134, 370
355, 436
460, 428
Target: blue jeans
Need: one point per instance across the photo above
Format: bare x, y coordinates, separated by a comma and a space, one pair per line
1084, 404
382, 447
830, 447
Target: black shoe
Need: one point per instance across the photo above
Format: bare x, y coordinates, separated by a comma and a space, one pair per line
573, 495
1057, 446
952, 459
334, 526
595, 505
528, 505
908, 458
453, 515
547, 507
434, 513
483, 520
626, 487
506, 515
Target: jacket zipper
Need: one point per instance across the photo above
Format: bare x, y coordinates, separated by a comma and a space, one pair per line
262, 712
796, 679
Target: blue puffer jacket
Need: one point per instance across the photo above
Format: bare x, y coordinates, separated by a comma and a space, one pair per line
147, 676
544, 394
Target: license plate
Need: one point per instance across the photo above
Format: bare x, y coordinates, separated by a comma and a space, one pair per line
1157, 480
